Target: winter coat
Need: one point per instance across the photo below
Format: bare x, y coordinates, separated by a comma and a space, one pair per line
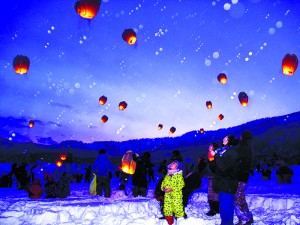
225, 179
102, 165
139, 178
173, 202
245, 160
35, 190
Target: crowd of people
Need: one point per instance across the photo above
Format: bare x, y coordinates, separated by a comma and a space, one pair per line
227, 168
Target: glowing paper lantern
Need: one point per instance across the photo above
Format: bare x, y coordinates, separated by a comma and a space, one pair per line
129, 36
220, 117
201, 130
87, 9
102, 100
209, 104
122, 105
160, 126
63, 156
21, 64
31, 124
172, 130
222, 78
243, 98
104, 119
289, 64
58, 163
128, 164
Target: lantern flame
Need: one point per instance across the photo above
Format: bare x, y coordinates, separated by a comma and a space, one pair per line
31, 124
222, 78
58, 163
128, 164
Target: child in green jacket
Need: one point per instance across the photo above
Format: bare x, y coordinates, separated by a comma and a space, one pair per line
172, 185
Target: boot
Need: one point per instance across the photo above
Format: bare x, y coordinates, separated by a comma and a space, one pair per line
169, 219
216, 206
212, 207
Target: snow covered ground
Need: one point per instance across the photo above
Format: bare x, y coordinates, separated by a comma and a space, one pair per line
270, 203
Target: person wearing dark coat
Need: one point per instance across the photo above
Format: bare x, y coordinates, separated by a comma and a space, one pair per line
212, 197
176, 156
103, 169
63, 186
35, 190
225, 181
139, 178
245, 161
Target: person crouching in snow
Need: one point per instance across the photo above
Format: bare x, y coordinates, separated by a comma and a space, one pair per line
172, 185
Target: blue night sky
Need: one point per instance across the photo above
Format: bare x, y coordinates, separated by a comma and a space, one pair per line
166, 77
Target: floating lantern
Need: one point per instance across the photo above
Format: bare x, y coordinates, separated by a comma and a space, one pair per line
243, 98
87, 9
160, 126
201, 130
209, 104
21, 64
220, 117
104, 119
31, 124
289, 64
102, 100
222, 78
172, 130
129, 36
122, 105
63, 156
128, 164
58, 163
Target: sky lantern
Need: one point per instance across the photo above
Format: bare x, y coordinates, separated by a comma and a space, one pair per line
129, 36
160, 126
220, 117
289, 64
87, 9
104, 119
102, 100
172, 130
122, 105
21, 64
243, 98
201, 130
222, 78
209, 104
58, 163
128, 164
31, 123
63, 156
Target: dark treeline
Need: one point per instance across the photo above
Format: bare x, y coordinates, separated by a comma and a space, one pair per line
277, 135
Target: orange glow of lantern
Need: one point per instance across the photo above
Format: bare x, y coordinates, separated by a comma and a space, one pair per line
220, 117
172, 130
128, 164
122, 105
222, 78
102, 100
58, 163
129, 36
201, 130
243, 98
104, 119
289, 64
63, 156
209, 104
87, 9
21, 64
160, 126
31, 124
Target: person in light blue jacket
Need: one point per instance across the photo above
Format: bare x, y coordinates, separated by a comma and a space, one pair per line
103, 169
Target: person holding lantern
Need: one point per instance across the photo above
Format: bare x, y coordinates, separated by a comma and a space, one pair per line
172, 185
103, 168
225, 181
212, 197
